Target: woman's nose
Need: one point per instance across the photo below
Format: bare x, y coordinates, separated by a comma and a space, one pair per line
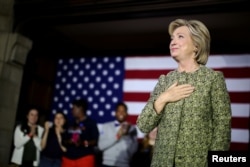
172, 42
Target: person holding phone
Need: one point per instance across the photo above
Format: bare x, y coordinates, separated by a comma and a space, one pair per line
52, 141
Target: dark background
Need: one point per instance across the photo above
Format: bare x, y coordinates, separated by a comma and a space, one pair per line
69, 28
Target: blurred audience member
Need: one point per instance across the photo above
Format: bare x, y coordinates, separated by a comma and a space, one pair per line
27, 141
81, 138
144, 154
52, 141
118, 140
149, 142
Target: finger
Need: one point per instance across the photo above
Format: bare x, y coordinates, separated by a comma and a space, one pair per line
185, 86
187, 95
184, 96
46, 124
188, 91
185, 91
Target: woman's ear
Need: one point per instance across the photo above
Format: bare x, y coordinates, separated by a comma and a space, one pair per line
195, 49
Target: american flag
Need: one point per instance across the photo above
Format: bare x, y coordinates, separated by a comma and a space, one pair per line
104, 81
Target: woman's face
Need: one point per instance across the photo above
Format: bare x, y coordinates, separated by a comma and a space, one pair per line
32, 116
181, 45
59, 120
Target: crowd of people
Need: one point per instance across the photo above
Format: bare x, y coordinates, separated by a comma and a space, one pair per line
75, 143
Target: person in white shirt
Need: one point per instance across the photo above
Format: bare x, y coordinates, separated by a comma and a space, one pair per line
27, 141
118, 140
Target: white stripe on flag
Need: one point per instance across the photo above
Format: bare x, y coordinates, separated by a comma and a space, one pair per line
240, 110
240, 135
238, 85
232, 61
135, 108
167, 62
149, 63
139, 85
144, 85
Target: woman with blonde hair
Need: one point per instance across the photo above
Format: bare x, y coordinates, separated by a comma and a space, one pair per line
190, 105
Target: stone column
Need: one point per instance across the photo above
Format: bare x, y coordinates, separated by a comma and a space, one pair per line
13, 52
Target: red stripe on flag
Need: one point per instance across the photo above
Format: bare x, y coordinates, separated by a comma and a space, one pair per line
235, 72
240, 123
133, 96
132, 119
240, 97
154, 74
144, 74
239, 146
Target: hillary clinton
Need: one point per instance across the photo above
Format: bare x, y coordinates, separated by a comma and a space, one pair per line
190, 105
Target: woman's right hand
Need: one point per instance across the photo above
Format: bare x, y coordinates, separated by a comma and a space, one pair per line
174, 93
47, 125
32, 131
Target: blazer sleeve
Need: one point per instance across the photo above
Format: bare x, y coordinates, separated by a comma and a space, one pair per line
37, 140
221, 114
149, 119
20, 139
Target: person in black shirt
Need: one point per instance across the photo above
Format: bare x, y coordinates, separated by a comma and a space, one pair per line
52, 141
81, 138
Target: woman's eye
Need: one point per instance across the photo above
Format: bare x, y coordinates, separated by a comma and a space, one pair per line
180, 36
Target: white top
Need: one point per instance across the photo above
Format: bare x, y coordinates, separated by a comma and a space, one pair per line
20, 140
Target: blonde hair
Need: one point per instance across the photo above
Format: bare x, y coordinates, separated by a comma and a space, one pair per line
199, 34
